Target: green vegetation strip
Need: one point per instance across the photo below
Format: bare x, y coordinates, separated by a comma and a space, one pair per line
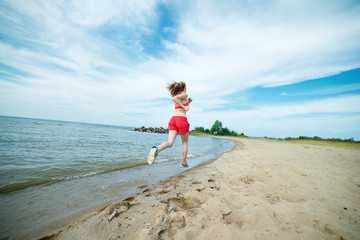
343, 144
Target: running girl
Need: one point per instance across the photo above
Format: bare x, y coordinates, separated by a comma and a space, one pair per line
177, 124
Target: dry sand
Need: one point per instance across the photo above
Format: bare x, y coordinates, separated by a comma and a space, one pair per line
259, 190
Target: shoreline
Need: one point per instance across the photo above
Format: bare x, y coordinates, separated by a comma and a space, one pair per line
258, 189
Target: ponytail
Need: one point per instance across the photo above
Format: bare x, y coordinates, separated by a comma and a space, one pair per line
176, 87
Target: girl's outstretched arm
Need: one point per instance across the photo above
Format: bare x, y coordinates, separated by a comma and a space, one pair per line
177, 99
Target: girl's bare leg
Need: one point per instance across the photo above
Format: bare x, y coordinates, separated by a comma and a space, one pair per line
185, 141
170, 142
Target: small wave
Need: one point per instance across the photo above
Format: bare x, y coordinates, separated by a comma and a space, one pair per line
75, 176
19, 186
51, 180
178, 158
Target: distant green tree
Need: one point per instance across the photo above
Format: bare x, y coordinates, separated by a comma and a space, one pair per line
199, 129
225, 131
317, 138
216, 128
233, 133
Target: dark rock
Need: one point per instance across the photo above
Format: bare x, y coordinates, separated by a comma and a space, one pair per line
151, 130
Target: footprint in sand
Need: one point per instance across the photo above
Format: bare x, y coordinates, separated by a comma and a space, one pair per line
198, 186
147, 192
272, 198
233, 218
213, 184
196, 183
172, 224
187, 204
129, 199
247, 179
166, 183
164, 191
116, 209
293, 197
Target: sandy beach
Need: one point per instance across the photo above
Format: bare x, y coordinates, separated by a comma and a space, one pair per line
258, 190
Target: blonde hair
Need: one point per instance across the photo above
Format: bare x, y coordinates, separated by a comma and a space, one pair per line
176, 87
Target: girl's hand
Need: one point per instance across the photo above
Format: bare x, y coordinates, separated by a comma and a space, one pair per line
186, 108
190, 100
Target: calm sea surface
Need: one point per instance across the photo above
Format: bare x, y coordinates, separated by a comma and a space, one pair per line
50, 170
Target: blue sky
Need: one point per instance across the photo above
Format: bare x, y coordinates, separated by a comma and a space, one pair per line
266, 68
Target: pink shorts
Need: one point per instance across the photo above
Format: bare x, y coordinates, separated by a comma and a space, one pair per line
179, 124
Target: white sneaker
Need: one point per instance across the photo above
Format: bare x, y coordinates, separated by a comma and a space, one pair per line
152, 155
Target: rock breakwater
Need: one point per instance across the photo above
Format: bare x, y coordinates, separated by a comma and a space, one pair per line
151, 130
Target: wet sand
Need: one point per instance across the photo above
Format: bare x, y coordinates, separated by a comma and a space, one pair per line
258, 190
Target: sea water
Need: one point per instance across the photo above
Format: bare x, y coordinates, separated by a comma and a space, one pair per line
50, 170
